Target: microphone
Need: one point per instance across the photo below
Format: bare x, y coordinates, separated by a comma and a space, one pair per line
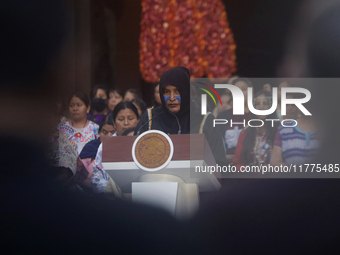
148, 122
179, 126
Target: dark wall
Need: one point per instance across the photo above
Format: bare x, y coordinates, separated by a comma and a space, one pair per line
102, 69
260, 31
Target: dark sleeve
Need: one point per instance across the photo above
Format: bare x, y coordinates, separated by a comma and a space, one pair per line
215, 140
142, 123
90, 149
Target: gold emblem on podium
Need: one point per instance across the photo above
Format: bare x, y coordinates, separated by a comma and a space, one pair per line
152, 150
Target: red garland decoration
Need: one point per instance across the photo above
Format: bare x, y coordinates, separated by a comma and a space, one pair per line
191, 33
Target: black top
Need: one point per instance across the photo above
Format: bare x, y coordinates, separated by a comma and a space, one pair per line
164, 121
162, 118
186, 121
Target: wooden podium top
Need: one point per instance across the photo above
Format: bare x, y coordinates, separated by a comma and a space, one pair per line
189, 151
119, 148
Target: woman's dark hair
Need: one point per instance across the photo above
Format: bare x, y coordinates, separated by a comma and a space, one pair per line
244, 80
95, 89
82, 96
124, 105
141, 104
249, 141
107, 120
153, 97
136, 92
116, 90
129, 130
226, 92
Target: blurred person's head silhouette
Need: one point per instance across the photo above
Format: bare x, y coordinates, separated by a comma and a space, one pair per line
32, 65
313, 51
33, 33
323, 61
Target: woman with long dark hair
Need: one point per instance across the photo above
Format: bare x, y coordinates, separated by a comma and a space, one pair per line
125, 116
79, 130
255, 144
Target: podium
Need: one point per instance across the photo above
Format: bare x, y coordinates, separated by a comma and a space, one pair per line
176, 186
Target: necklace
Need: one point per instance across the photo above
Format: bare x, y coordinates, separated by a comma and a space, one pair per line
75, 127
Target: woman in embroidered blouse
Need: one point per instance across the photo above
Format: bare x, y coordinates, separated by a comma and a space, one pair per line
255, 144
79, 130
125, 116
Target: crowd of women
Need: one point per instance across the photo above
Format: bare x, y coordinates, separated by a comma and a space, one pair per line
112, 113
296, 142
295, 216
